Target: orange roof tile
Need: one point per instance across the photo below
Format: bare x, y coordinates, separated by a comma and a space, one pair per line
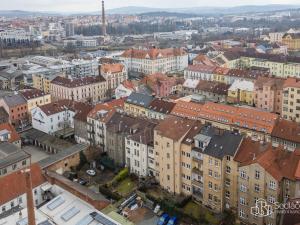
14, 183
112, 68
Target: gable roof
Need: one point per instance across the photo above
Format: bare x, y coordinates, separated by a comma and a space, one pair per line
14, 136
14, 183
161, 106
112, 68
153, 53
32, 93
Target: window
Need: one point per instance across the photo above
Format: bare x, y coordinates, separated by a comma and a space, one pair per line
3, 209
257, 174
228, 158
227, 194
243, 174
168, 155
242, 201
272, 185
242, 213
168, 177
243, 188
12, 204
216, 187
216, 163
210, 185
256, 187
210, 161
210, 197
228, 169
227, 182
271, 199
210, 173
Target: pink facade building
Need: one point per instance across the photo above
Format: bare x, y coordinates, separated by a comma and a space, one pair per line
161, 84
268, 94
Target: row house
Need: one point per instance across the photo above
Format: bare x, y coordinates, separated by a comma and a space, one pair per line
268, 94
248, 121
97, 119
35, 98
210, 90
241, 92
114, 74
199, 72
57, 116
267, 175
161, 84
139, 150
16, 107
155, 60
291, 100
92, 89
118, 128
159, 109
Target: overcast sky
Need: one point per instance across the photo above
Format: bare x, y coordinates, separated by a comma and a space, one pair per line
92, 5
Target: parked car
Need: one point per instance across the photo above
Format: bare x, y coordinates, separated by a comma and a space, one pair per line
91, 172
172, 221
82, 181
163, 220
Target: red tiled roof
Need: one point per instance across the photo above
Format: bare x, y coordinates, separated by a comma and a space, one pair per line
291, 82
287, 130
14, 136
201, 68
71, 83
203, 60
13, 185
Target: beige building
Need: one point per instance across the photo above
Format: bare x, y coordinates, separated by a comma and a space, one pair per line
114, 74
42, 82
35, 98
91, 89
171, 165
291, 100
266, 174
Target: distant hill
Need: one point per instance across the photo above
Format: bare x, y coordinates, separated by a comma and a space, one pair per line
204, 10
134, 10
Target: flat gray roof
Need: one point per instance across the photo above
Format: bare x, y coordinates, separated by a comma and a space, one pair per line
10, 154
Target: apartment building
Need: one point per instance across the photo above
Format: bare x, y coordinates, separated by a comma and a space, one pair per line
241, 92
213, 155
56, 116
268, 94
160, 83
267, 174
42, 81
137, 103
16, 107
35, 98
92, 89
248, 121
168, 136
155, 60
97, 119
114, 74
291, 100
199, 72
117, 129
138, 147
159, 109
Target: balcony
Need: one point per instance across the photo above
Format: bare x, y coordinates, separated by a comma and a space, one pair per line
197, 183
197, 194
197, 171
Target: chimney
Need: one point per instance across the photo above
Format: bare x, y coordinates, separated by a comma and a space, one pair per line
29, 197
103, 20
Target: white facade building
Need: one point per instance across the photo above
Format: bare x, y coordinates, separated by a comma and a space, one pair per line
155, 60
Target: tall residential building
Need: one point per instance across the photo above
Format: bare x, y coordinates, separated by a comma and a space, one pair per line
170, 164
69, 28
91, 89
268, 94
42, 81
291, 100
268, 174
155, 60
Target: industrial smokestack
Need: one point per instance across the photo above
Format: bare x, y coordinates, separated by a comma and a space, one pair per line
29, 197
103, 20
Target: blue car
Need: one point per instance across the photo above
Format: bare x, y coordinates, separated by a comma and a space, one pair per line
173, 221
163, 220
